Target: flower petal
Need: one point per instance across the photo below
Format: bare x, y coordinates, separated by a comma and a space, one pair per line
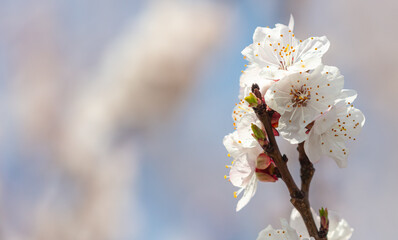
240, 171
354, 122
313, 47
259, 35
325, 121
289, 128
291, 22
312, 147
249, 77
273, 73
348, 96
244, 130
232, 145
335, 148
291, 233
248, 193
305, 65
343, 231
266, 233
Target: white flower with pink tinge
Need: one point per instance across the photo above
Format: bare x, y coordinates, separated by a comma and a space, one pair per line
286, 233
301, 97
342, 122
338, 227
242, 173
277, 52
244, 149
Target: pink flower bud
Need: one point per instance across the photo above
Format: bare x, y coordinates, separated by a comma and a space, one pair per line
265, 168
275, 119
263, 161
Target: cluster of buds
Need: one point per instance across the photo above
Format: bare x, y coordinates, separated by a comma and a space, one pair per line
265, 168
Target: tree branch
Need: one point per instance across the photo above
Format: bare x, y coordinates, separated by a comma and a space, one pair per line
272, 150
298, 197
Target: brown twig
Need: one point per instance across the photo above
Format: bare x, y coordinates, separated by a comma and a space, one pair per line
298, 197
307, 169
272, 150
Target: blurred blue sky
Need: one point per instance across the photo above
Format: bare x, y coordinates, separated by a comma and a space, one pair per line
193, 143
181, 191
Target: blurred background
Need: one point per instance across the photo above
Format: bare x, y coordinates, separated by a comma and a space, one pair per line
113, 115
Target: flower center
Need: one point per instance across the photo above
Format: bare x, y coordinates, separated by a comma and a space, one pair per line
284, 56
300, 96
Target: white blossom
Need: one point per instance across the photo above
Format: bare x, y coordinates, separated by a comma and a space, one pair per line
286, 233
242, 173
244, 149
277, 52
332, 129
301, 97
338, 227
252, 76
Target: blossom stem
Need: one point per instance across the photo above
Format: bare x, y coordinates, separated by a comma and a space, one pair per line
298, 197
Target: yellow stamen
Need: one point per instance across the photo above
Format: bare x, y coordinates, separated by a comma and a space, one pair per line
287, 47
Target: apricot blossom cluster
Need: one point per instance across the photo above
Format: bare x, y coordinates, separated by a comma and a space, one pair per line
306, 102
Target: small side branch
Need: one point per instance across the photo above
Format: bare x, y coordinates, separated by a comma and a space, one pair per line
307, 169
